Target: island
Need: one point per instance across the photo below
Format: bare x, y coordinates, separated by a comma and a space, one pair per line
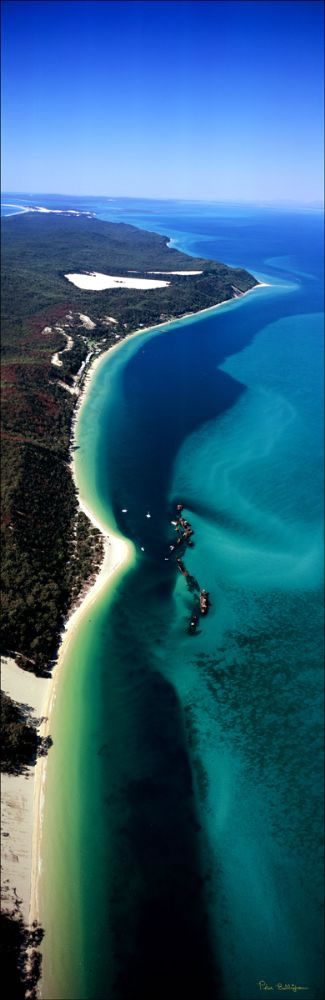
72, 288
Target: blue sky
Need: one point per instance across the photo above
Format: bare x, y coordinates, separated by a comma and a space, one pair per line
217, 100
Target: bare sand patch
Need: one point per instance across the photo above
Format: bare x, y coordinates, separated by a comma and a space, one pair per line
55, 360
87, 322
96, 282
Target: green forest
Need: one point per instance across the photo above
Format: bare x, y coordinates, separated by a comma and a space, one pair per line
19, 954
20, 741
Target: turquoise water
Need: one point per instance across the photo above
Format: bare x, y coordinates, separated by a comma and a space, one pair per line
187, 859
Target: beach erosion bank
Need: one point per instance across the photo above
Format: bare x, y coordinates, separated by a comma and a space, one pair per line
23, 796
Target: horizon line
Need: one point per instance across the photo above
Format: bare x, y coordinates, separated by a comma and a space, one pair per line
316, 203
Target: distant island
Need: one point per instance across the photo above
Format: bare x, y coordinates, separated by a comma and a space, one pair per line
51, 331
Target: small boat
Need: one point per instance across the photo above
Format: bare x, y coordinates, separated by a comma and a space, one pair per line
204, 602
148, 515
124, 510
193, 624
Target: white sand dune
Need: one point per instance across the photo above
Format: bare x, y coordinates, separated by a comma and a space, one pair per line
95, 281
87, 322
69, 343
56, 361
23, 686
74, 391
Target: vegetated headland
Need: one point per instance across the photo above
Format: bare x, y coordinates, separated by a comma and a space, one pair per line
52, 331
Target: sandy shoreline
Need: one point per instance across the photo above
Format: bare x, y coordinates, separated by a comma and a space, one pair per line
23, 796
118, 552
17, 791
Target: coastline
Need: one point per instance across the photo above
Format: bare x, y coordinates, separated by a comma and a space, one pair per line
118, 552
99, 358
27, 819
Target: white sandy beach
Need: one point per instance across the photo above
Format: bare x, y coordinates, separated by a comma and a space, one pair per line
117, 553
17, 791
23, 797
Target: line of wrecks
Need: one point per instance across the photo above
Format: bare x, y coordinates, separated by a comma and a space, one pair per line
185, 533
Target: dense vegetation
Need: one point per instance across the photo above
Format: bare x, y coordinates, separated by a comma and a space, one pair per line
20, 742
47, 551
19, 955
39, 251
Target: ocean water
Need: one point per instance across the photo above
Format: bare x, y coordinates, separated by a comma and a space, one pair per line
182, 850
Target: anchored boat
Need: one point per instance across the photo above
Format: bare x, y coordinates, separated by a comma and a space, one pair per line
193, 623
204, 602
